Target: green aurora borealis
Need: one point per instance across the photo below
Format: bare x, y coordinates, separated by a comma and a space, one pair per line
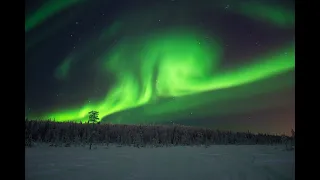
161, 74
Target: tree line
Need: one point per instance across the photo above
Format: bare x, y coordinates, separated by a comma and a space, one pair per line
71, 133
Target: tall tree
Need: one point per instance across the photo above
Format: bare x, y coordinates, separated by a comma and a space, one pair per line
93, 118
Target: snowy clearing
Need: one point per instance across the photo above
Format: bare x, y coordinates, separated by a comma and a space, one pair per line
218, 162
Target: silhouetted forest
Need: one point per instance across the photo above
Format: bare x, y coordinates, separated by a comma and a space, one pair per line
71, 133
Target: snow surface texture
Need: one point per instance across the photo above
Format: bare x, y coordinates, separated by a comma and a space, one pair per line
218, 162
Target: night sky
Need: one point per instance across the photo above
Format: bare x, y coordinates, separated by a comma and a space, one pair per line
223, 64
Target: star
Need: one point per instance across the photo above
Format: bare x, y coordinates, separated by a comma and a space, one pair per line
77, 22
71, 35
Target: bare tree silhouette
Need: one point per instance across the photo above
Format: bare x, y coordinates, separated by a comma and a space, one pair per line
293, 136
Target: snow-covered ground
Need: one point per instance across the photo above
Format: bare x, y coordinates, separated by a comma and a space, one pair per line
219, 162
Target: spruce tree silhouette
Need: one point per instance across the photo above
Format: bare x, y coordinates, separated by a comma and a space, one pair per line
93, 118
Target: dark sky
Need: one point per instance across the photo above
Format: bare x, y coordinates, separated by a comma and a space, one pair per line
222, 64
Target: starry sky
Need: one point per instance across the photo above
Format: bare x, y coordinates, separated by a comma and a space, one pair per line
223, 64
